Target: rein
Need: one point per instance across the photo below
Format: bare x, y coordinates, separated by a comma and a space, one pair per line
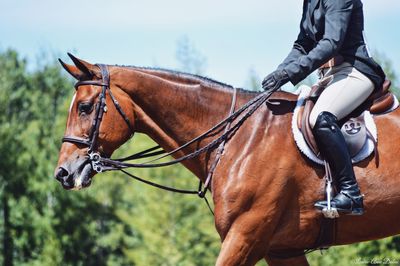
101, 164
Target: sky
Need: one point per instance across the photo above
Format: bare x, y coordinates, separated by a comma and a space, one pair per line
234, 36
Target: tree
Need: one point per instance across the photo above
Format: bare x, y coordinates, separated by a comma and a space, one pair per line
114, 222
189, 58
43, 224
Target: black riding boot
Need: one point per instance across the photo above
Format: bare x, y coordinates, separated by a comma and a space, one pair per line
333, 148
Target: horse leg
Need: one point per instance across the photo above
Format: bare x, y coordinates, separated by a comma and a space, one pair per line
246, 241
247, 214
240, 249
298, 261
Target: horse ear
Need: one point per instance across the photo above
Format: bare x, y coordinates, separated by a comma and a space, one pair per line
73, 70
82, 69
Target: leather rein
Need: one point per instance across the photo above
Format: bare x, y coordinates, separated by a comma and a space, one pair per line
100, 163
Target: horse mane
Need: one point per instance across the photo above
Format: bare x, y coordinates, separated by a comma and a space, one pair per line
194, 77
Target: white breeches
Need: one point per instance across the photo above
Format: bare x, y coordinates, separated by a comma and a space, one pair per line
345, 92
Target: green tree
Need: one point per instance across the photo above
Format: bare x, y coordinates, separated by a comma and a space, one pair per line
115, 222
42, 224
170, 229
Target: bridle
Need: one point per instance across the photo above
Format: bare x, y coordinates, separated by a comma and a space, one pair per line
91, 141
100, 163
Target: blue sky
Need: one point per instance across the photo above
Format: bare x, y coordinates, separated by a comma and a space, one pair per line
234, 36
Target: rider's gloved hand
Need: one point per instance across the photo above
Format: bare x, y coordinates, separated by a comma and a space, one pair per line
275, 80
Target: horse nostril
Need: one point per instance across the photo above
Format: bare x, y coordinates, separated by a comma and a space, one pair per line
61, 173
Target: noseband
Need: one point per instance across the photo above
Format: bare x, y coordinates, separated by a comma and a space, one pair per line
91, 141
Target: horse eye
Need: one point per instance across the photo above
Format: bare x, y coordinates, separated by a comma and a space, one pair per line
85, 107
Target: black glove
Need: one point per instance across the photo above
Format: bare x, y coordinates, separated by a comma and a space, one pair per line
275, 80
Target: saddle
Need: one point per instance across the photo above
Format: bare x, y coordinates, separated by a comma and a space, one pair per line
358, 128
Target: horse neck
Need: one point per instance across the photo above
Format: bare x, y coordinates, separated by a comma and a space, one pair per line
173, 108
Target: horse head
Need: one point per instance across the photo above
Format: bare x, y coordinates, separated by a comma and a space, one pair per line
100, 119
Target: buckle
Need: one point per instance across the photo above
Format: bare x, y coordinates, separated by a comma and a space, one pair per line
95, 158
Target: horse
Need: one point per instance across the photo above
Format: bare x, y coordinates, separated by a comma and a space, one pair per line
263, 188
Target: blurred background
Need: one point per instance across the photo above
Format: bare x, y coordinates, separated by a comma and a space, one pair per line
118, 221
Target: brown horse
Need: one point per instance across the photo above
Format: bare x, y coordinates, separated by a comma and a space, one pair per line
263, 188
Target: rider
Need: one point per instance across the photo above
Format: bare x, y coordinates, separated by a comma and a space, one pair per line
331, 39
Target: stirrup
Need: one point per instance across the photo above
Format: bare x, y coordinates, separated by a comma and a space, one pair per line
332, 212
329, 212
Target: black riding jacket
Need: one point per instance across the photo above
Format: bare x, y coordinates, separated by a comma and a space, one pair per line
329, 28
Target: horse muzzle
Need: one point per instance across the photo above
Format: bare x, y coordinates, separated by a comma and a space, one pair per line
75, 175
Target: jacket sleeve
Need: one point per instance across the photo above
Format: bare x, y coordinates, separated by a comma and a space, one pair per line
301, 46
337, 17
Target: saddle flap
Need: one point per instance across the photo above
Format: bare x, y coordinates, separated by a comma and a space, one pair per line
306, 127
359, 132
